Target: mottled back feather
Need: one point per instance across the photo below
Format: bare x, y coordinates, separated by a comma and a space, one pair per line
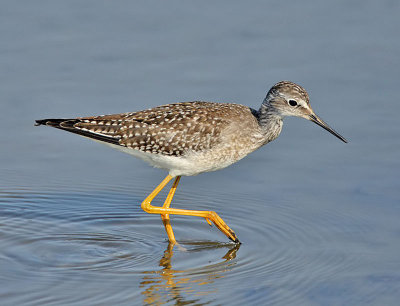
171, 129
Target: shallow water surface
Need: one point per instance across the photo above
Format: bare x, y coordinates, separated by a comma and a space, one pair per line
103, 248
318, 219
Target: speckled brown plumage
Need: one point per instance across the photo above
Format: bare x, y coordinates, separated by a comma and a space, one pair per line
172, 129
178, 128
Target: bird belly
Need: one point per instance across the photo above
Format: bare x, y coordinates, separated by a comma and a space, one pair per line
190, 164
176, 165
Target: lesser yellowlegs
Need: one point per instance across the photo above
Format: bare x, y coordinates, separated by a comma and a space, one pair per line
193, 137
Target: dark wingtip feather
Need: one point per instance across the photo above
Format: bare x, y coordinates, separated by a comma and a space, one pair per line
40, 122
68, 125
50, 122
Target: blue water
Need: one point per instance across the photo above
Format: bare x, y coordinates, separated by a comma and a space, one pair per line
318, 219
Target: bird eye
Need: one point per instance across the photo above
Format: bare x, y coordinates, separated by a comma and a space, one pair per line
292, 102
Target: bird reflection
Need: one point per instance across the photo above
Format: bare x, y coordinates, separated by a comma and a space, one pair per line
168, 285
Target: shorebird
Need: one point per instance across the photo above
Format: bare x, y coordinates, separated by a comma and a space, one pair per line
189, 138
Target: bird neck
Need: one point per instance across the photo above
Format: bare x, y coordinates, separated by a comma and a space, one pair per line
270, 122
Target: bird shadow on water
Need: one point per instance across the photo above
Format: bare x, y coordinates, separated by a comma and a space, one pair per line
179, 286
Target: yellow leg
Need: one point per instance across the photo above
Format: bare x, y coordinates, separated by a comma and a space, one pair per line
166, 210
165, 217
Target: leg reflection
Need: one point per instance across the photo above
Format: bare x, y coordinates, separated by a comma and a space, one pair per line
185, 286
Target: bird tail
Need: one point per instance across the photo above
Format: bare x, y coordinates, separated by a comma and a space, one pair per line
57, 123
76, 126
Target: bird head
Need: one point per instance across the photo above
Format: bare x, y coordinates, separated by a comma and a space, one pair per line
289, 99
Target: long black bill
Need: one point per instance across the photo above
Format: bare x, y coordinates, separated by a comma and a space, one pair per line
321, 123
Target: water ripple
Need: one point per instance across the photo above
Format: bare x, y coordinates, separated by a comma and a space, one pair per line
62, 239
